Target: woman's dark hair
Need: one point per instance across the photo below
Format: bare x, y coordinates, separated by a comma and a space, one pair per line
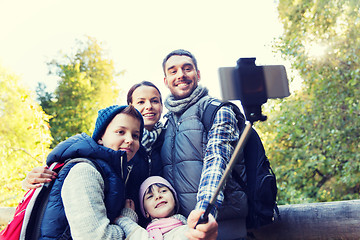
135, 86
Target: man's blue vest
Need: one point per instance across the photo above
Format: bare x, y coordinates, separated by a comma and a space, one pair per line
182, 155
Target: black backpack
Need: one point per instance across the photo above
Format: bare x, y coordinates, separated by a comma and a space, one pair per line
260, 188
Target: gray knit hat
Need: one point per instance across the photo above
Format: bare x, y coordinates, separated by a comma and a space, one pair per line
105, 116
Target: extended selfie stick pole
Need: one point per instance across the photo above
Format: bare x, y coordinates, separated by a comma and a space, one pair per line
237, 152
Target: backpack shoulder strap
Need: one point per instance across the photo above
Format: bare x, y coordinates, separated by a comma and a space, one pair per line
208, 119
211, 110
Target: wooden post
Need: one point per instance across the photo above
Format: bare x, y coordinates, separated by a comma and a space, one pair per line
327, 220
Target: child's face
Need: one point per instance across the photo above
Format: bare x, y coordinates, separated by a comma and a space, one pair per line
122, 133
159, 202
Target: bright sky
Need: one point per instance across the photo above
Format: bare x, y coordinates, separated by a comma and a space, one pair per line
137, 34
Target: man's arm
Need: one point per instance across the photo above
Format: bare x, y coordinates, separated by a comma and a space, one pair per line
221, 138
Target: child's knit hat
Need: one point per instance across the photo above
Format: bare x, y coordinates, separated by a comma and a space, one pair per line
153, 180
105, 116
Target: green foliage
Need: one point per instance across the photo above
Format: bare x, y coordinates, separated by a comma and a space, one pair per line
86, 85
313, 136
24, 136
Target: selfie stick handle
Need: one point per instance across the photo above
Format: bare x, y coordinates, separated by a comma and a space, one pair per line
237, 153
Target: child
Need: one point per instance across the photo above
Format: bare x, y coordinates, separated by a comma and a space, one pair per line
82, 199
159, 203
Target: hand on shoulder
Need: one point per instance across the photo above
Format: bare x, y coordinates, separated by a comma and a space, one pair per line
37, 176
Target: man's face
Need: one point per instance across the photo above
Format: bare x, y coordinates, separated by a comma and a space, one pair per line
122, 133
181, 77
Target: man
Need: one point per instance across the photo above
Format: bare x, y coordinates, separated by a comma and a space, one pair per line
194, 160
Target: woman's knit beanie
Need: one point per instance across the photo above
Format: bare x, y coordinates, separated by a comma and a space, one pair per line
154, 180
105, 116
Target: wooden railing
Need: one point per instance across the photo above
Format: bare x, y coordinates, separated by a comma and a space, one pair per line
330, 220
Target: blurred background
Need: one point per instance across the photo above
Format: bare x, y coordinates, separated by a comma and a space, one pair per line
61, 61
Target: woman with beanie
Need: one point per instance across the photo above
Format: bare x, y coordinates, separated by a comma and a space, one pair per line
158, 203
89, 193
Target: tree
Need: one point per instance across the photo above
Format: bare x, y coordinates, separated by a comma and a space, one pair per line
24, 136
86, 85
313, 136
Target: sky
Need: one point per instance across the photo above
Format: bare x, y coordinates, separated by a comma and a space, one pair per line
137, 34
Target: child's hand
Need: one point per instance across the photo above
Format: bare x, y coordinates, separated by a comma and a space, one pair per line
128, 211
130, 204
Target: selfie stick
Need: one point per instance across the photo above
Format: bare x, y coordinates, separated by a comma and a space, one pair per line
237, 153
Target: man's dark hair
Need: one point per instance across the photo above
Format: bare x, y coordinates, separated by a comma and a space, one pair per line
180, 52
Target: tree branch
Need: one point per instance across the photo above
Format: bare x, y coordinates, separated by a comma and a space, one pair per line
25, 151
324, 178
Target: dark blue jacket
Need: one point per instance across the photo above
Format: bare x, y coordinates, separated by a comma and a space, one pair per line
112, 166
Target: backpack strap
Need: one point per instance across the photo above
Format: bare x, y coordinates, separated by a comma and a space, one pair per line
211, 110
208, 120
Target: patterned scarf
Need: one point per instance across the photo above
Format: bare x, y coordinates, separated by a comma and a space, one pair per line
149, 137
157, 229
178, 106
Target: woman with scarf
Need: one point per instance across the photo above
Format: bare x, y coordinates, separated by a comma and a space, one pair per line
146, 98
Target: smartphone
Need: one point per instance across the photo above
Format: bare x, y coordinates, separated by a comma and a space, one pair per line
251, 81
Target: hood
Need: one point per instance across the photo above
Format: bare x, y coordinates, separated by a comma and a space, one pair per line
83, 146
